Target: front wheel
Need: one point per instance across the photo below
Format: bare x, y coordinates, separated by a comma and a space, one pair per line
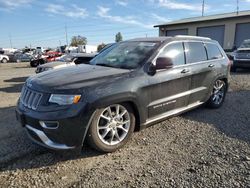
218, 94
111, 127
4, 60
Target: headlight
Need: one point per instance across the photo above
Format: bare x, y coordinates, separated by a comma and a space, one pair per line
64, 99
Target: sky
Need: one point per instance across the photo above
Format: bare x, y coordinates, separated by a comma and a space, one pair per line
45, 22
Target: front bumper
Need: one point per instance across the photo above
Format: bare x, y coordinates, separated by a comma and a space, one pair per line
241, 63
68, 134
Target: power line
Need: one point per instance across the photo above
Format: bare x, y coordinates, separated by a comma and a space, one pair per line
66, 35
10, 40
83, 32
237, 11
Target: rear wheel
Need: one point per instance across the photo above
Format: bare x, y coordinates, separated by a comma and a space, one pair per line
218, 94
111, 127
4, 60
34, 63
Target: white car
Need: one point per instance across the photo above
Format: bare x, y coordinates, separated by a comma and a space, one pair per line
4, 58
68, 60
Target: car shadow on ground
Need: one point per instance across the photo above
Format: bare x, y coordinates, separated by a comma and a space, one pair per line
16, 85
232, 119
18, 152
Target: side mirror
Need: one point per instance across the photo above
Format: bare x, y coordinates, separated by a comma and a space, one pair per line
163, 63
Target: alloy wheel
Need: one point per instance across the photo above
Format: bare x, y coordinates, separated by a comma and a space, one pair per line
113, 124
218, 92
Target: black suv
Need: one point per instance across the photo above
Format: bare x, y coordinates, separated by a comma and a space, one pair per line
129, 86
241, 57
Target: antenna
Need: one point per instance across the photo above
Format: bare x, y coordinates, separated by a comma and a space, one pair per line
203, 7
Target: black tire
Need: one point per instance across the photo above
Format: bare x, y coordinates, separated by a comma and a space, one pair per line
93, 136
34, 63
213, 101
4, 60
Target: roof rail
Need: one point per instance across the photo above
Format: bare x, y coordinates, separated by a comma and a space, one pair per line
192, 37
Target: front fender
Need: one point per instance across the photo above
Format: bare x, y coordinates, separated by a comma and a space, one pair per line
127, 97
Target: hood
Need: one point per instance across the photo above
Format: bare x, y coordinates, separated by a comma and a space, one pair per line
73, 77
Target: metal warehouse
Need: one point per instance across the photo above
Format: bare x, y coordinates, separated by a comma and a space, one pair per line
228, 29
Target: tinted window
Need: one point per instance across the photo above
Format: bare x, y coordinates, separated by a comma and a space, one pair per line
82, 60
195, 52
213, 52
175, 52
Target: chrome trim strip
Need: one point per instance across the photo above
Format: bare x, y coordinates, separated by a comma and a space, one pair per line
188, 64
49, 143
173, 112
173, 97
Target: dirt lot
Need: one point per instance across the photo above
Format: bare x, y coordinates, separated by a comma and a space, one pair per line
202, 148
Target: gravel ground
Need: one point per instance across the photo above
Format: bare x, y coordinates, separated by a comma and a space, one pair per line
201, 148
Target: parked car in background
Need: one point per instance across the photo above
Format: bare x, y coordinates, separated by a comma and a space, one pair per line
129, 86
4, 58
241, 57
23, 57
49, 56
67, 60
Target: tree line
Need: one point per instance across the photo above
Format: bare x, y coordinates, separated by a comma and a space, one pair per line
81, 40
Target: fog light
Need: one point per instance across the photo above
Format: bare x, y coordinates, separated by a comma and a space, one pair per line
49, 124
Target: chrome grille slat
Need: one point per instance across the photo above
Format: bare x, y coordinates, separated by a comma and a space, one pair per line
30, 99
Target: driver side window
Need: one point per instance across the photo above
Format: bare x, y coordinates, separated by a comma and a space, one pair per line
175, 52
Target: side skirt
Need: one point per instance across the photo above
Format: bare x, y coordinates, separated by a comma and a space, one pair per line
170, 114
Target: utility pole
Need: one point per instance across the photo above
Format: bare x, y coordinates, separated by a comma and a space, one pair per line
146, 35
10, 40
66, 35
237, 7
203, 7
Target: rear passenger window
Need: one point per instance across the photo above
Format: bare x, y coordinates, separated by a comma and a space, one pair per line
195, 52
213, 51
175, 52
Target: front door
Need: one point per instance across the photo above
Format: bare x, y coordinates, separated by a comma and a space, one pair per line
169, 89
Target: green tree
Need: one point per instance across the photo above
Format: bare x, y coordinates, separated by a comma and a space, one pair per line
118, 37
100, 47
78, 40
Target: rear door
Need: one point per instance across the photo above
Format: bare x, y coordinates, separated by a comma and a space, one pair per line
169, 89
203, 71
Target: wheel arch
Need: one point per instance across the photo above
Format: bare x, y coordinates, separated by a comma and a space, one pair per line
127, 98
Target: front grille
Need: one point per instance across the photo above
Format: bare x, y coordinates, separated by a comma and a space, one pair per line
29, 98
243, 55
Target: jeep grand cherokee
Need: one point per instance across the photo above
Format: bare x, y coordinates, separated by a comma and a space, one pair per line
129, 86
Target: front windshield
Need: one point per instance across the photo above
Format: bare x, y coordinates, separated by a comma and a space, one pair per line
245, 44
126, 55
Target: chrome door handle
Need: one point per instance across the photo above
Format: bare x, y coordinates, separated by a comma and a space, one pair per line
185, 71
211, 65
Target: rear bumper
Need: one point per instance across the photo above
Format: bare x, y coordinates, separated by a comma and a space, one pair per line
62, 133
